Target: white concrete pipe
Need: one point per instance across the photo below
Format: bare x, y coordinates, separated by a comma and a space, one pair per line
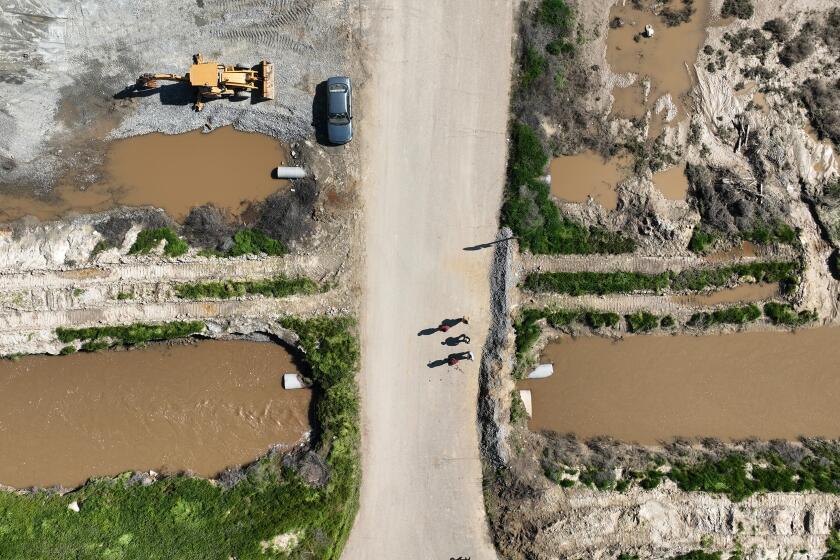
290, 172
294, 381
541, 371
525, 395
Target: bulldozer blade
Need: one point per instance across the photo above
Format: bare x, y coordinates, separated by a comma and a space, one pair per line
266, 80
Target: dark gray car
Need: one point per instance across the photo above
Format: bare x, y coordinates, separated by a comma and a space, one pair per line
339, 110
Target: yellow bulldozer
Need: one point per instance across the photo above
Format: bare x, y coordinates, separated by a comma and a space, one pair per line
213, 80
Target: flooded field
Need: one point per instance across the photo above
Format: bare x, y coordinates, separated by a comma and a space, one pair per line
199, 407
672, 182
651, 388
742, 293
664, 59
225, 167
576, 178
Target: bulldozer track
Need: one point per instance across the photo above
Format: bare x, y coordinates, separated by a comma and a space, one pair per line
267, 36
295, 13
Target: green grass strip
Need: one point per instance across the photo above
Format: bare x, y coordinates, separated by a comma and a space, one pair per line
132, 334
193, 519
735, 315
278, 287
580, 283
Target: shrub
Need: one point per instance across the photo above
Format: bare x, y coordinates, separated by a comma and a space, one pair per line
254, 241
641, 321
832, 545
667, 322
763, 233
784, 314
148, 239
556, 14
278, 287
673, 17
559, 46
527, 156
701, 240
94, 346
533, 66
778, 28
797, 49
67, 350
735, 315
742, 9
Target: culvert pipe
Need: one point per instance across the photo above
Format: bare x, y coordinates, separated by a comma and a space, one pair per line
290, 172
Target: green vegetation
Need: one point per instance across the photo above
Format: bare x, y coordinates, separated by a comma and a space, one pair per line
667, 322
580, 283
763, 234
533, 66
67, 350
641, 321
735, 315
784, 314
94, 346
148, 239
698, 555
832, 545
101, 245
190, 518
556, 14
528, 331
534, 219
517, 408
701, 240
280, 286
254, 241
742, 9
137, 333
124, 296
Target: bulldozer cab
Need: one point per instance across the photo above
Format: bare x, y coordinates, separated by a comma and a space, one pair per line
204, 74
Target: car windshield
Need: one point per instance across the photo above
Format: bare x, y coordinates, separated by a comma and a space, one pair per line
339, 118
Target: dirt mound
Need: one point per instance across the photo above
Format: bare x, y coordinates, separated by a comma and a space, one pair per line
288, 216
205, 226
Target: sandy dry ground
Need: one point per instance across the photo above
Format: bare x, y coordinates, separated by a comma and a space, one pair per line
434, 124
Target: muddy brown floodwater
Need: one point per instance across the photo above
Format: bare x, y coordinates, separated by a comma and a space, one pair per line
666, 59
226, 167
652, 388
672, 182
575, 178
199, 407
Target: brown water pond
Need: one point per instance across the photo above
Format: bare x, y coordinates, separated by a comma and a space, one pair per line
742, 293
665, 59
652, 388
199, 407
672, 182
745, 249
576, 178
226, 167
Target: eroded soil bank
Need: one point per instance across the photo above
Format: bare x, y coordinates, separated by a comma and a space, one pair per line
200, 407
648, 389
226, 168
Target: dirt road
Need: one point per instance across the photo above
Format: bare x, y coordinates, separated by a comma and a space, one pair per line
433, 128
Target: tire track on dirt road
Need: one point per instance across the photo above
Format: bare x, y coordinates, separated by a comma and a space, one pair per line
430, 190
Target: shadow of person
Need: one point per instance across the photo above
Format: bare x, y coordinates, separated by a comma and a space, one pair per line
427, 332
437, 363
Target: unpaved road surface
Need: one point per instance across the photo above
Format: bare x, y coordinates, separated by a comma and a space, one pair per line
433, 127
